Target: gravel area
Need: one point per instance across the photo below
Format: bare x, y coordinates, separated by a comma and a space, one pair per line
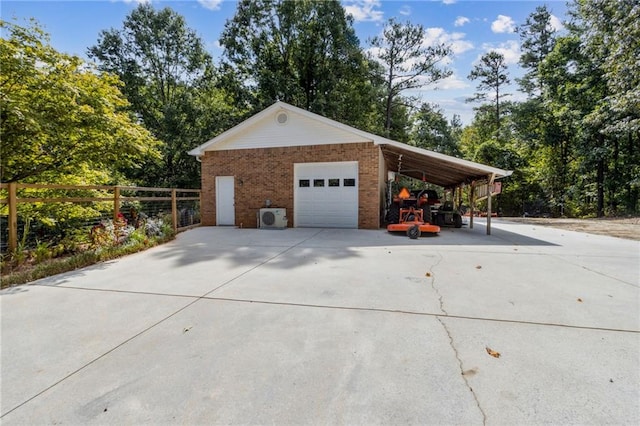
628, 228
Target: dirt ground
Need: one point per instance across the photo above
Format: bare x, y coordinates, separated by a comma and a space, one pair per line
628, 228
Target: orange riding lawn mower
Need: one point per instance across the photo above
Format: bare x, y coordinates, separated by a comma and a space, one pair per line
411, 213
420, 211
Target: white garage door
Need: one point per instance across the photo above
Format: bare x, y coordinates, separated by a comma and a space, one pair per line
326, 195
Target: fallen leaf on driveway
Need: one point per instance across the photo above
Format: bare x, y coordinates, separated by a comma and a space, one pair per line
579, 300
428, 274
493, 353
478, 267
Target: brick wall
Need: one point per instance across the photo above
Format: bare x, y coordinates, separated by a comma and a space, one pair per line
267, 173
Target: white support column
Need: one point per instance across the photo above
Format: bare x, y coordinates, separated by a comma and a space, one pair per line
489, 187
472, 203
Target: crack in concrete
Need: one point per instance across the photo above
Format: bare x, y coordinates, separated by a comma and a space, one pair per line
455, 350
433, 284
466, 381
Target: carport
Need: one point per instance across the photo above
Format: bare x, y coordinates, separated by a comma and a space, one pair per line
443, 170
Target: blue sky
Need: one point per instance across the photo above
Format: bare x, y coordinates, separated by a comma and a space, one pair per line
471, 28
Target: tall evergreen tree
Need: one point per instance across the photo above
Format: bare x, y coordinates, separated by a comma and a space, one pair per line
492, 75
407, 62
538, 38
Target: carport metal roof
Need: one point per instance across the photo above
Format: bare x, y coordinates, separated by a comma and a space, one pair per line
433, 167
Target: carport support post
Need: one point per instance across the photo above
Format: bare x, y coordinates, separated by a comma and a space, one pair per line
489, 188
472, 203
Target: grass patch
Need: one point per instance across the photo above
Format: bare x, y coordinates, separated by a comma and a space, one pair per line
29, 273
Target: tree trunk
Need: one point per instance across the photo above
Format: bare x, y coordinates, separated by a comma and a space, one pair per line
600, 178
387, 122
498, 109
632, 191
614, 177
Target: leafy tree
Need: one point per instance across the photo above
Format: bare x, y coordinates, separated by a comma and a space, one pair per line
302, 52
492, 75
541, 137
61, 120
407, 62
609, 33
576, 137
432, 131
167, 74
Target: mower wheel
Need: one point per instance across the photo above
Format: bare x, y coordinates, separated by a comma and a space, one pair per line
393, 215
426, 214
414, 232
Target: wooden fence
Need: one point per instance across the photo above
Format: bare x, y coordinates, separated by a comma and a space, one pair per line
173, 194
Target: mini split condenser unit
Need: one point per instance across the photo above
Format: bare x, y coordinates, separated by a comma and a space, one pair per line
272, 218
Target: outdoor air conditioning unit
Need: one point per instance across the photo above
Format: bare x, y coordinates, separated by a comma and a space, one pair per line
272, 218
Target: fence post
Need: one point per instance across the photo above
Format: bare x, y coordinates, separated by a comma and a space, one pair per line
116, 203
174, 210
13, 217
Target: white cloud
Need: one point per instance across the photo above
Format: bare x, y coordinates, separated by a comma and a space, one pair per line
437, 35
136, 1
448, 1
451, 83
210, 4
510, 50
461, 20
364, 10
455, 105
405, 10
556, 23
503, 24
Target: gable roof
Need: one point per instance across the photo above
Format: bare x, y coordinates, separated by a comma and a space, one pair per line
263, 130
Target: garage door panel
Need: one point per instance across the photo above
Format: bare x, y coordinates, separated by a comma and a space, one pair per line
321, 198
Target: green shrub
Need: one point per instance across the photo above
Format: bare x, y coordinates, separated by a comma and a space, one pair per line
80, 260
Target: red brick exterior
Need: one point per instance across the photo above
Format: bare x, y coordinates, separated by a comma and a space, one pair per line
267, 173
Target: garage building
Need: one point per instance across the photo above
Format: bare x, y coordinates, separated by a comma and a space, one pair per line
324, 173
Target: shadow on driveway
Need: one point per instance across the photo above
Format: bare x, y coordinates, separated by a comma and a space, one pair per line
240, 246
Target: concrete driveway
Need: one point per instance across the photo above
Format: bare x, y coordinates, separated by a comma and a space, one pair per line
307, 326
